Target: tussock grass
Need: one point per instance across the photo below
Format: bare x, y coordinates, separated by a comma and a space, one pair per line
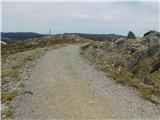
8, 113
10, 73
114, 67
8, 96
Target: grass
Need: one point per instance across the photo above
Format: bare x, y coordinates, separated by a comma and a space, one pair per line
13, 70
129, 79
115, 68
10, 73
38, 43
14, 65
8, 113
8, 96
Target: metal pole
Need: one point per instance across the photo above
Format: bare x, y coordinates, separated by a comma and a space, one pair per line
48, 39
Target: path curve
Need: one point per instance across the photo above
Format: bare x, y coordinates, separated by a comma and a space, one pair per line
66, 87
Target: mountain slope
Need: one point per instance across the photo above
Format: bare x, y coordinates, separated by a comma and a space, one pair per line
20, 35
134, 62
97, 37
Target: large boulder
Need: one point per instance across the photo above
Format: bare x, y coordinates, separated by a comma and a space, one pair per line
122, 43
152, 33
156, 63
151, 37
131, 35
148, 81
153, 49
155, 66
155, 98
137, 55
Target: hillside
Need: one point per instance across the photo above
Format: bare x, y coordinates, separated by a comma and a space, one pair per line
20, 35
97, 37
40, 42
18, 59
7, 40
54, 75
134, 62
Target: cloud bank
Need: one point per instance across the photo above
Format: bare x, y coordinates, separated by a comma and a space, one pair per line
92, 17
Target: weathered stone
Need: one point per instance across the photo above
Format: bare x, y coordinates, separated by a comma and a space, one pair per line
152, 33
137, 55
122, 43
158, 71
132, 63
156, 65
147, 39
131, 35
155, 98
131, 49
29, 92
153, 49
148, 81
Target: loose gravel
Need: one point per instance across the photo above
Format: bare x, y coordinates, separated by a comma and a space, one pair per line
64, 86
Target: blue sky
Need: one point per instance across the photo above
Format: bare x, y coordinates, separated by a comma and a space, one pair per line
84, 17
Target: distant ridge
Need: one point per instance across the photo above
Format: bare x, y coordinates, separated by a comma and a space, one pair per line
20, 35
97, 37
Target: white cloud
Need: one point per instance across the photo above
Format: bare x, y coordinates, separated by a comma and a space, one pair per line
79, 0
80, 17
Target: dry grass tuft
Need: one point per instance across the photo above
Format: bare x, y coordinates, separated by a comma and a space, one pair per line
8, 96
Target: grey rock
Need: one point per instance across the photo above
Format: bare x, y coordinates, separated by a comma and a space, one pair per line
29, 92
153, 49
131, 35
132, 50
159, 70
147, 39
137, 55
122, 43
133, 67
156, 65
155, 98
152, 33
148, 81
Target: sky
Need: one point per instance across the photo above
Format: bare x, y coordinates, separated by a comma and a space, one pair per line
101, 17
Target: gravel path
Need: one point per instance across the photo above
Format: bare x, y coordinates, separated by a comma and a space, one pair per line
66, 87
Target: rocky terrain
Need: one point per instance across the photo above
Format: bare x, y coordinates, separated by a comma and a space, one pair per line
64, 86
17, 61
15, 72
45, 78
129, 60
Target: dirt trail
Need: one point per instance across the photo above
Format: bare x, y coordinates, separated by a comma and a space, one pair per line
65, 87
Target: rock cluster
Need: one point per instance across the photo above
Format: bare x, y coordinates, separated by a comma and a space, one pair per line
133, 61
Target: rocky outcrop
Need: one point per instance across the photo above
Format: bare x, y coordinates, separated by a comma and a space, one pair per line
131, 35
122, 43
151, 37
133, 62
155, 65
152, 33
